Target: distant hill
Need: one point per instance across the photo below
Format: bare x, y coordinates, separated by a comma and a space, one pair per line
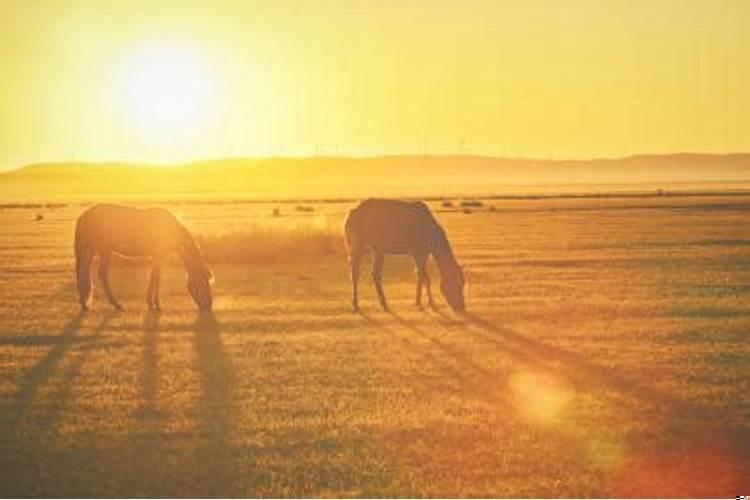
338, 177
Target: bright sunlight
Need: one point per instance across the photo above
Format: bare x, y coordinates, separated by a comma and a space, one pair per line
170, 94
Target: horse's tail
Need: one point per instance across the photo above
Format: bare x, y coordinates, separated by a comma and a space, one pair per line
84, 255
350, 232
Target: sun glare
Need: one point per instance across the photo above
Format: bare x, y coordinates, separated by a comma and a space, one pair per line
170, 95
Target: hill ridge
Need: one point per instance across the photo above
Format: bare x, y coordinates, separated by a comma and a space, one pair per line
395, 175
683, 156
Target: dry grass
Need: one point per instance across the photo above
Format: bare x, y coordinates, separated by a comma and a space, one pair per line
271, 243
605, 354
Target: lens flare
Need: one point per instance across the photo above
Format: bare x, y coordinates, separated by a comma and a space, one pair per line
698, 472
540, 397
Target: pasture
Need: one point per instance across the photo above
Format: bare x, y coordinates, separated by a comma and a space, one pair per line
604, 353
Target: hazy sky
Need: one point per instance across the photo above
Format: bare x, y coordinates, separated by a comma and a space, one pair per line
542, 78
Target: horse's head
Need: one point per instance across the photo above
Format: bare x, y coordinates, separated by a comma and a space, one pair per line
199, 277
199, 285
452, 286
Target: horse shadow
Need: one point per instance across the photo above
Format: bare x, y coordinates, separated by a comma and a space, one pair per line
578, 370
28, 417
211, 413
213, 407
677, 420
35, 377
462, 380
673, 428
150, 357
582, 373
444, 347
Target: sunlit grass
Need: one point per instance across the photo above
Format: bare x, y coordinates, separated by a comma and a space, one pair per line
602, 357
273, 241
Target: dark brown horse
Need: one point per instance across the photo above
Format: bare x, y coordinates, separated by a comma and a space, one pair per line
132, 232
398, 227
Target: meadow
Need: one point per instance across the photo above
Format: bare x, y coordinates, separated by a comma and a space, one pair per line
604, 353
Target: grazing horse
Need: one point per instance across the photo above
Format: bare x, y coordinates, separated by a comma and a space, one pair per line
398, 227
133, 232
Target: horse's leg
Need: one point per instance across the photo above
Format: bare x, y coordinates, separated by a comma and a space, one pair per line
157, 286
426, 281
104, 259
152, 295
150, 289
84, 258
377, 278
421, 267
423, 279
354, 262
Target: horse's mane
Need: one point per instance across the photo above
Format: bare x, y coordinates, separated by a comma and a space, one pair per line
441, 247
189, 252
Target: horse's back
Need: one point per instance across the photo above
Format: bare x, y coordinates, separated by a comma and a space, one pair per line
123, 217
127, 230
392, 226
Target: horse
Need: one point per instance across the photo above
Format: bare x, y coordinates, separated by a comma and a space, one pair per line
130, 232
402, 228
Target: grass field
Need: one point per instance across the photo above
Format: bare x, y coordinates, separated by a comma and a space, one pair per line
605, 353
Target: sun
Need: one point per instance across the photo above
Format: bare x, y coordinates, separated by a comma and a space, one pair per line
169, 94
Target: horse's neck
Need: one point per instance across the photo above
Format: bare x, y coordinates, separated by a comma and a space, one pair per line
442, 251
445, 261
191, 262
188, 250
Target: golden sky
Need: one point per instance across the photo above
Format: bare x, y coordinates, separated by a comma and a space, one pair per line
172, 81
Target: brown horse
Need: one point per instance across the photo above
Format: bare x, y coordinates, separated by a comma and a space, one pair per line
398, 227
133, 232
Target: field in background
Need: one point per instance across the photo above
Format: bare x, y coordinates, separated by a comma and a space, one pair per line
604, 354
394, 176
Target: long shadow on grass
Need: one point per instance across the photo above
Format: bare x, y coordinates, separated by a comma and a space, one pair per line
573, 366
444, 347
150, 373
470, 376
214, 453
42, 371
22, 465
150, 441
542, 357
576, 369
477, 383
680, 437
680, 424
426, 361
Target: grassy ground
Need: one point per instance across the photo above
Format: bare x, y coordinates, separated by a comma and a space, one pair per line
605, 354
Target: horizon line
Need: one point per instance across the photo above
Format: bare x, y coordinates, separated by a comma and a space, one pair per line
170, 165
